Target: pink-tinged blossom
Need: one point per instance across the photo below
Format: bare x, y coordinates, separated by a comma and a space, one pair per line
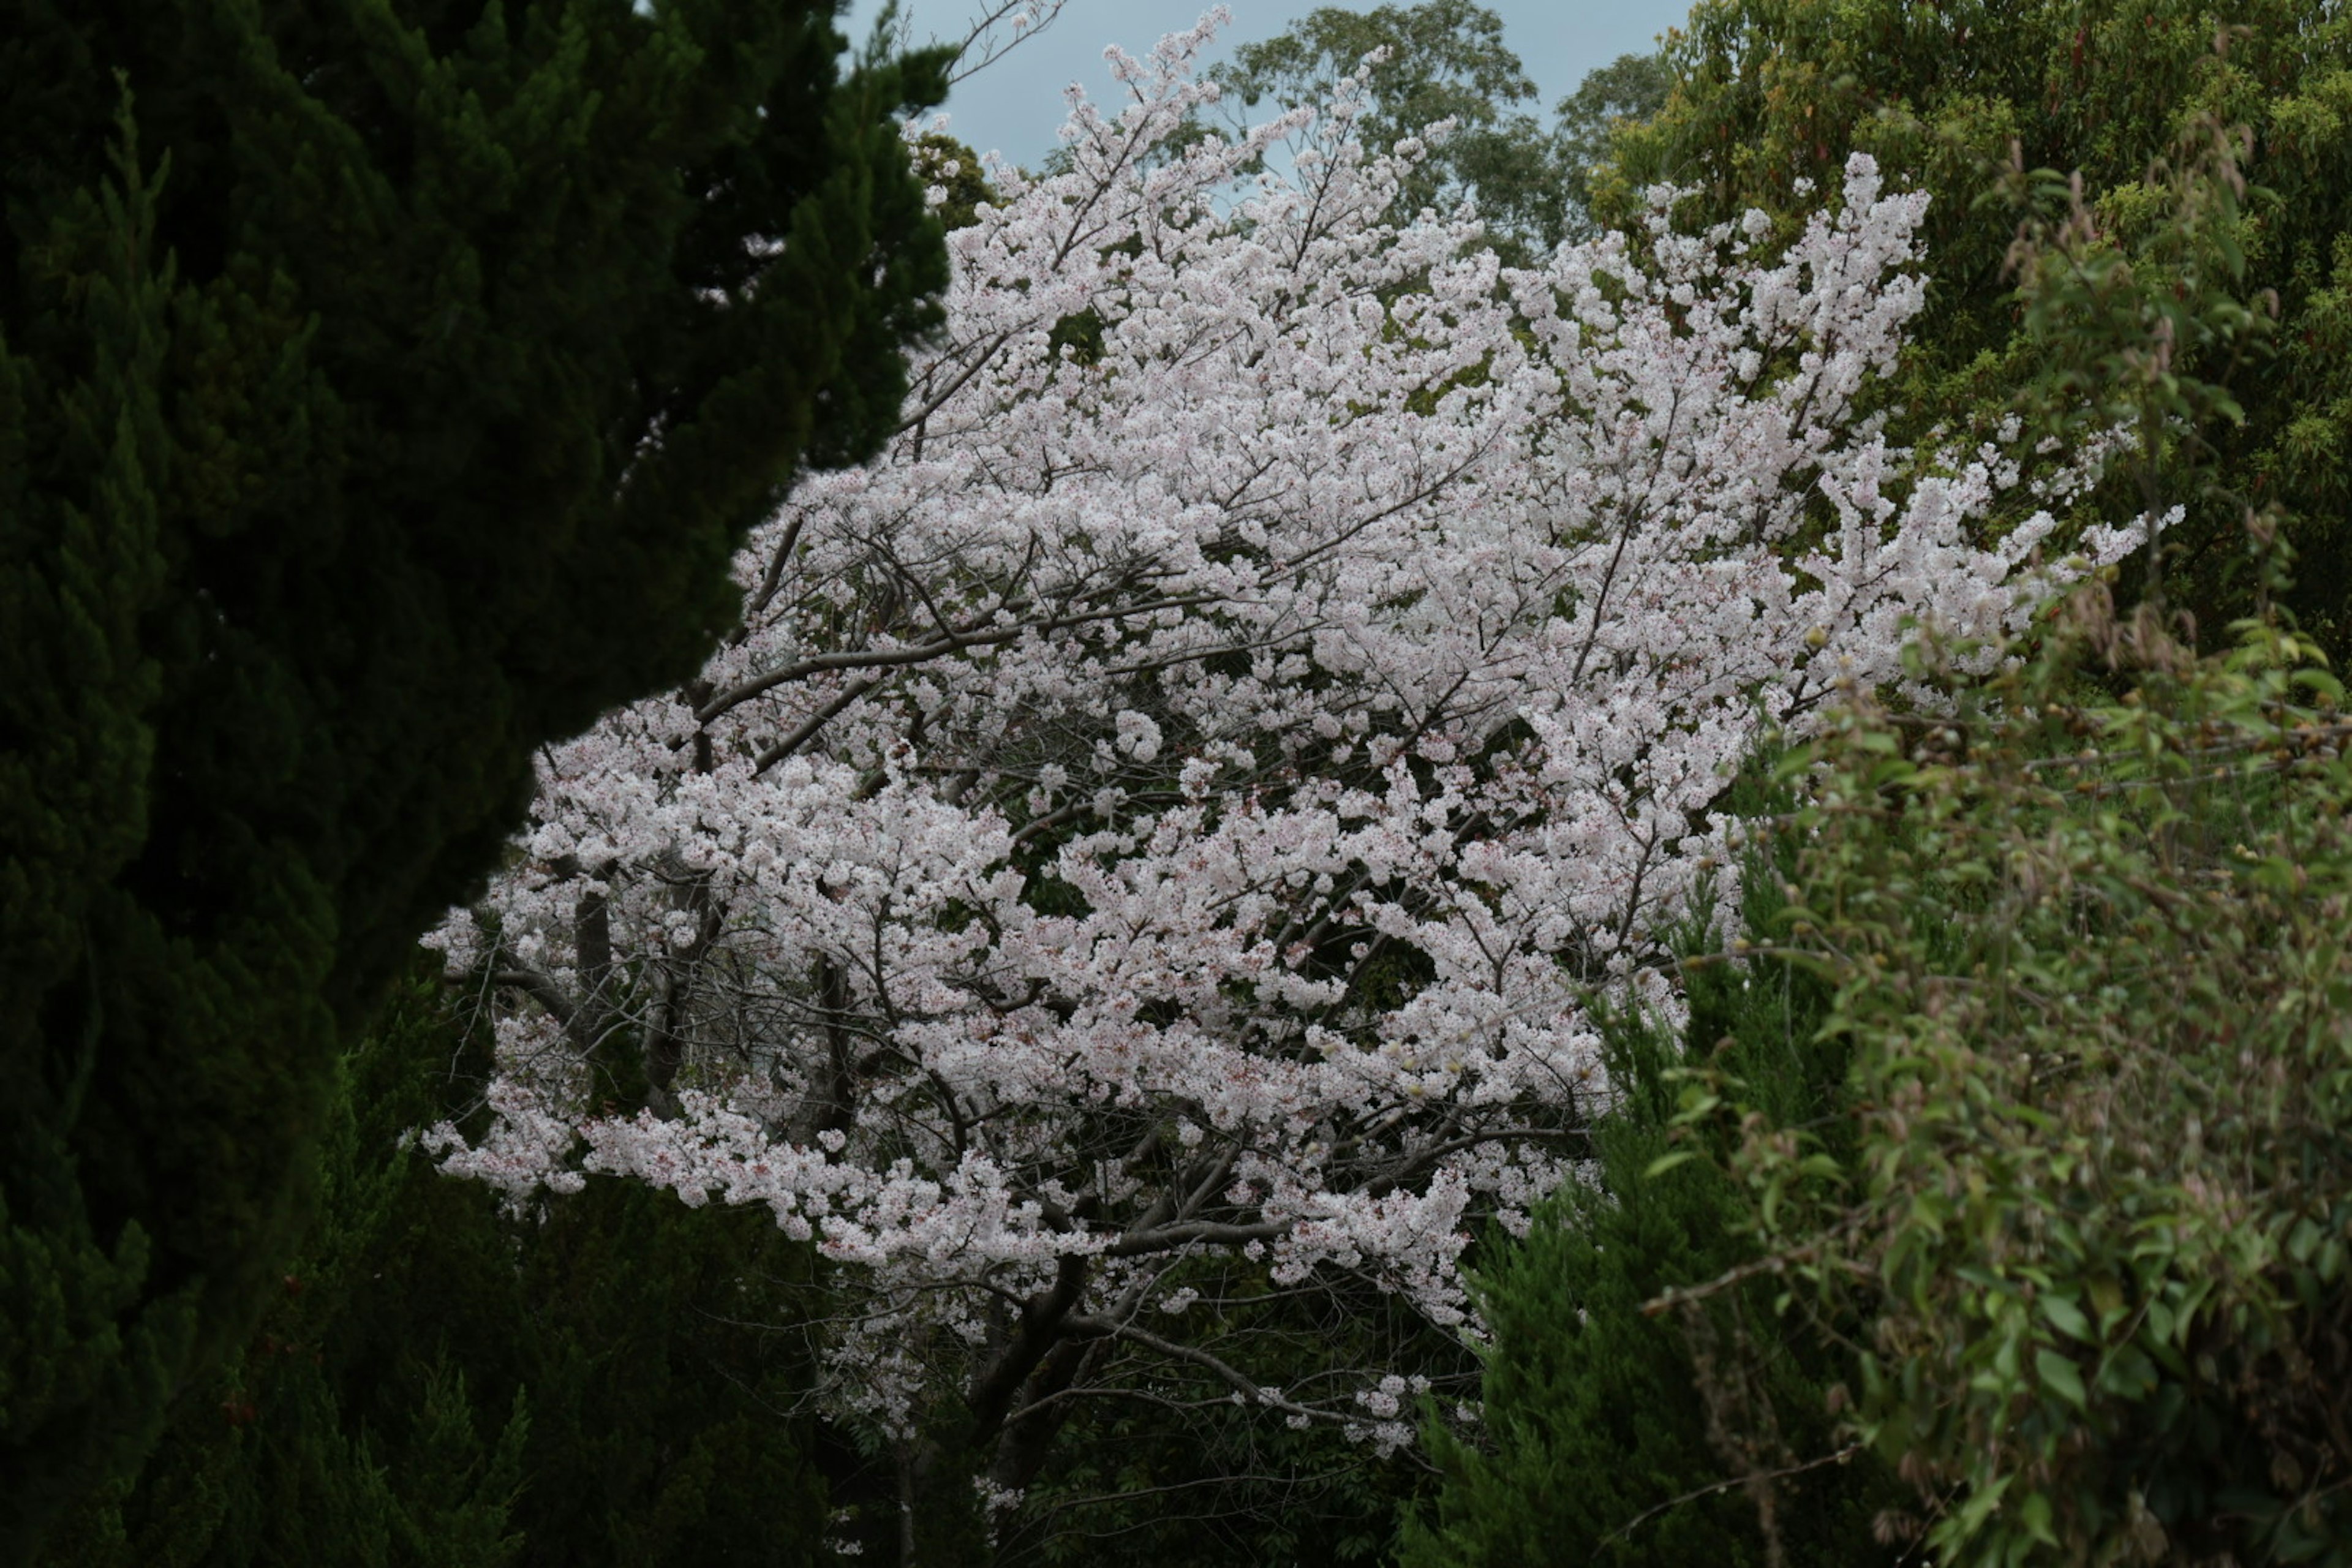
1158, 823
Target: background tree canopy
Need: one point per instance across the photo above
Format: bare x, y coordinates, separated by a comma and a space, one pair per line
1770, 97
1446, 60
384, 385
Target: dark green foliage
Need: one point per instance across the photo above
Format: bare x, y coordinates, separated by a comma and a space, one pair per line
664, 1428
1189, 1479
1258, 1495
1770, 92
383, 384
1626, 91
2089, 1192
940, 160
437, 1385
1617, 1436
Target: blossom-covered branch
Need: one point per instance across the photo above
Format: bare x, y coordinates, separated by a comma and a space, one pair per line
1158, 823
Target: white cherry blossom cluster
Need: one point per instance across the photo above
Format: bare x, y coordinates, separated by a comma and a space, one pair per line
1159, 824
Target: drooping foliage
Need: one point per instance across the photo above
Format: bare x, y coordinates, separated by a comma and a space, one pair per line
384, 386
2089, 954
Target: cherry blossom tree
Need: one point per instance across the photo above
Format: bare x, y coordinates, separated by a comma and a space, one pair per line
1153, 848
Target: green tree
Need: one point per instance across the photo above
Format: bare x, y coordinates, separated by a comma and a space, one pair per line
2088, 1194
1445, 60
1620, 1432
382, 386
1626, 91
438, 1384
952, 166
2085, 929
1770, 93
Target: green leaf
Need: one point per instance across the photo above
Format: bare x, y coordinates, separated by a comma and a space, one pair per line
2064, 1316
2033, 1514
1980, 1505
2060, 1375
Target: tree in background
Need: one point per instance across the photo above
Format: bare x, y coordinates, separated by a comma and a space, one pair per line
1626, 91
1771, 95
384, 386
1125, 892
1443, 60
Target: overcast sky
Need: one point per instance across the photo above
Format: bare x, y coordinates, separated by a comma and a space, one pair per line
1015, 105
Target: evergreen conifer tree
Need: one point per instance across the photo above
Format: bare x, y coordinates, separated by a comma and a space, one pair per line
384, 385
1629, 1438
437, 1384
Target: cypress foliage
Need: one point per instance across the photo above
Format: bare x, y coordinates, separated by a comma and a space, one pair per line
438, 1384
1621, 1438
383, 384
